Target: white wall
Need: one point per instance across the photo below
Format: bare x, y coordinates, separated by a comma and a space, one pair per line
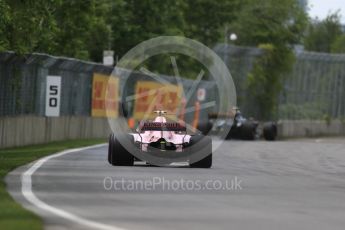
28, 130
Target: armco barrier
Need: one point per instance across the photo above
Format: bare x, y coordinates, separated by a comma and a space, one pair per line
310, 128
28, 130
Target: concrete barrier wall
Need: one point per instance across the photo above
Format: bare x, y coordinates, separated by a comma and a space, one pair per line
28, 130
307, 128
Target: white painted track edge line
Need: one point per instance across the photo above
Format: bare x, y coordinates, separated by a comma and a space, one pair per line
26, 180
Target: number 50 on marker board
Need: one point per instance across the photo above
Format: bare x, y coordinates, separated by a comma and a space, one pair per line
53, 94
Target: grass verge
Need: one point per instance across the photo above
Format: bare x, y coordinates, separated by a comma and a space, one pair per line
12, 215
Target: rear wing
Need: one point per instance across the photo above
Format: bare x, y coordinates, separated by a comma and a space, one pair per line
160, 126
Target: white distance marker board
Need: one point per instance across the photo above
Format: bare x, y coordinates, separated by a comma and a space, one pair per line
53, 96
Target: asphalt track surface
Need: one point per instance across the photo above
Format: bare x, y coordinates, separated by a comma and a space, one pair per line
296, 184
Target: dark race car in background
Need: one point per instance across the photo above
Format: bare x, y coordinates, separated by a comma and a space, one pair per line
241, 127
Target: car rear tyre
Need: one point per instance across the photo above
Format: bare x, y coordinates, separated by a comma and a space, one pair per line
248, 131
204, 163
270, 131
204, 144
119, 156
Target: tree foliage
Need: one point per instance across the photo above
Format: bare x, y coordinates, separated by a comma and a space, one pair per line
207, 19
135, 21
261, 22
4, 21
338, 46
322, 34
264, 83
26, 25
202, 20
84, 28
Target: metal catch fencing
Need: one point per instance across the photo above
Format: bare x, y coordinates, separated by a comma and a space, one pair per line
313, 90
23, 85
23, 80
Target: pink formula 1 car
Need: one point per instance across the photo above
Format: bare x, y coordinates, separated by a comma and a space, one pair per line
161, 139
